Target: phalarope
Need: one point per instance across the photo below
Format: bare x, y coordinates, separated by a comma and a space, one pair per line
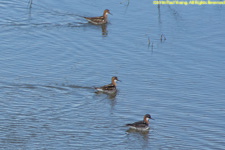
100, 19
110, 88
141, 125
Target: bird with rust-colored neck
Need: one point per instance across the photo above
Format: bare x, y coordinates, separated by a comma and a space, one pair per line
141, 125
110, 88
100, 19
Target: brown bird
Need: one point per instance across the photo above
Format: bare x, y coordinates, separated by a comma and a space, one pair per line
110, 88
141, 125
100, 19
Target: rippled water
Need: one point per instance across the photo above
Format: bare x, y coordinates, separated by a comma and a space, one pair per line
51, 59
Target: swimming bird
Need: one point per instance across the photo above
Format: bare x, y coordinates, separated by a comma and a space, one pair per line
141, 125
100, 19
110, 88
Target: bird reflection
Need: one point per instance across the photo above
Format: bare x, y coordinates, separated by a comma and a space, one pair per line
142, 136
144, 132
111, 96
102, 26
104, 30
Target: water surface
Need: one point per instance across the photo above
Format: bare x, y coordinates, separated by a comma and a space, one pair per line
51, 58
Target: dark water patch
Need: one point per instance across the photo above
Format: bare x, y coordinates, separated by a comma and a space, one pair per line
77, 86
31, 86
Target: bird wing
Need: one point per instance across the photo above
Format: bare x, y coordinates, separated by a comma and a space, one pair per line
107, 87
138, 124
95, 19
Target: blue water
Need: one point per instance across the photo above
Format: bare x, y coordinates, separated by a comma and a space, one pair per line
51, 58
